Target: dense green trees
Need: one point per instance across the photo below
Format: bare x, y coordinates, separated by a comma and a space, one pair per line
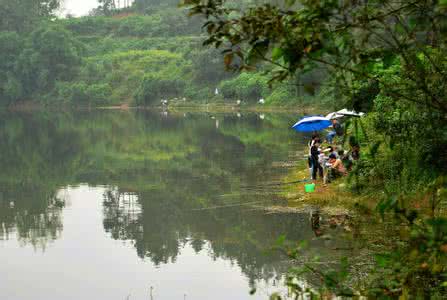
143, 5
10, 47
21, 15
36, 53
246, 86
153, 88
34, 64
93, 61
106, 6
51, 54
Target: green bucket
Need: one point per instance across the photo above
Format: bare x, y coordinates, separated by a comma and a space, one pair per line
309, 188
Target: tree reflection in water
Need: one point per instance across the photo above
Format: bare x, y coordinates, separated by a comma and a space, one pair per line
37, 157
164, 170
159, 229
34, 224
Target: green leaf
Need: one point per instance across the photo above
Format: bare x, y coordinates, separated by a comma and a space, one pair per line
382, 260
281, 239
277, 53
257, 52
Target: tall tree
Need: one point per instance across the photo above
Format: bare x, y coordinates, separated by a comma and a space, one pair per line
107, 6
20, 15
50, 54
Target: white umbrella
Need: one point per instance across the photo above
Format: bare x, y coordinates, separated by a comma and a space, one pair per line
334, 115
350, 113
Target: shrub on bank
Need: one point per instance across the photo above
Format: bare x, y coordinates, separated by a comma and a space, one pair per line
152, 89
83, 93
281, 95
246, 86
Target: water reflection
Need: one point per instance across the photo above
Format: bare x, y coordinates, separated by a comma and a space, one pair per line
34, 222
160, 229
36, 156
172, 181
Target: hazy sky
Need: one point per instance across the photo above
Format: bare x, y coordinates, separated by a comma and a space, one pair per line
79, 7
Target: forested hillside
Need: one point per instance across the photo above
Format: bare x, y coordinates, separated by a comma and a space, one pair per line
133, 53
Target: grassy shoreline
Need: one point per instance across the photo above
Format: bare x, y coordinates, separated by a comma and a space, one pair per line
173, 107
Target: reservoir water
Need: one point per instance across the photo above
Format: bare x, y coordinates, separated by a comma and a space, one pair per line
145, 205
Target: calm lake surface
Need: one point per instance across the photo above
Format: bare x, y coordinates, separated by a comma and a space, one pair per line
145, 205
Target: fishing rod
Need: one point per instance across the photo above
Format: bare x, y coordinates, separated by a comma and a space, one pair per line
276, 183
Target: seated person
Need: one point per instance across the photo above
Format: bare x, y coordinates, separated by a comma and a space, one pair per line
331, 150
337, 169
330, 136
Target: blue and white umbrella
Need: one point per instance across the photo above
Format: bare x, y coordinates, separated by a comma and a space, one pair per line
312, 123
